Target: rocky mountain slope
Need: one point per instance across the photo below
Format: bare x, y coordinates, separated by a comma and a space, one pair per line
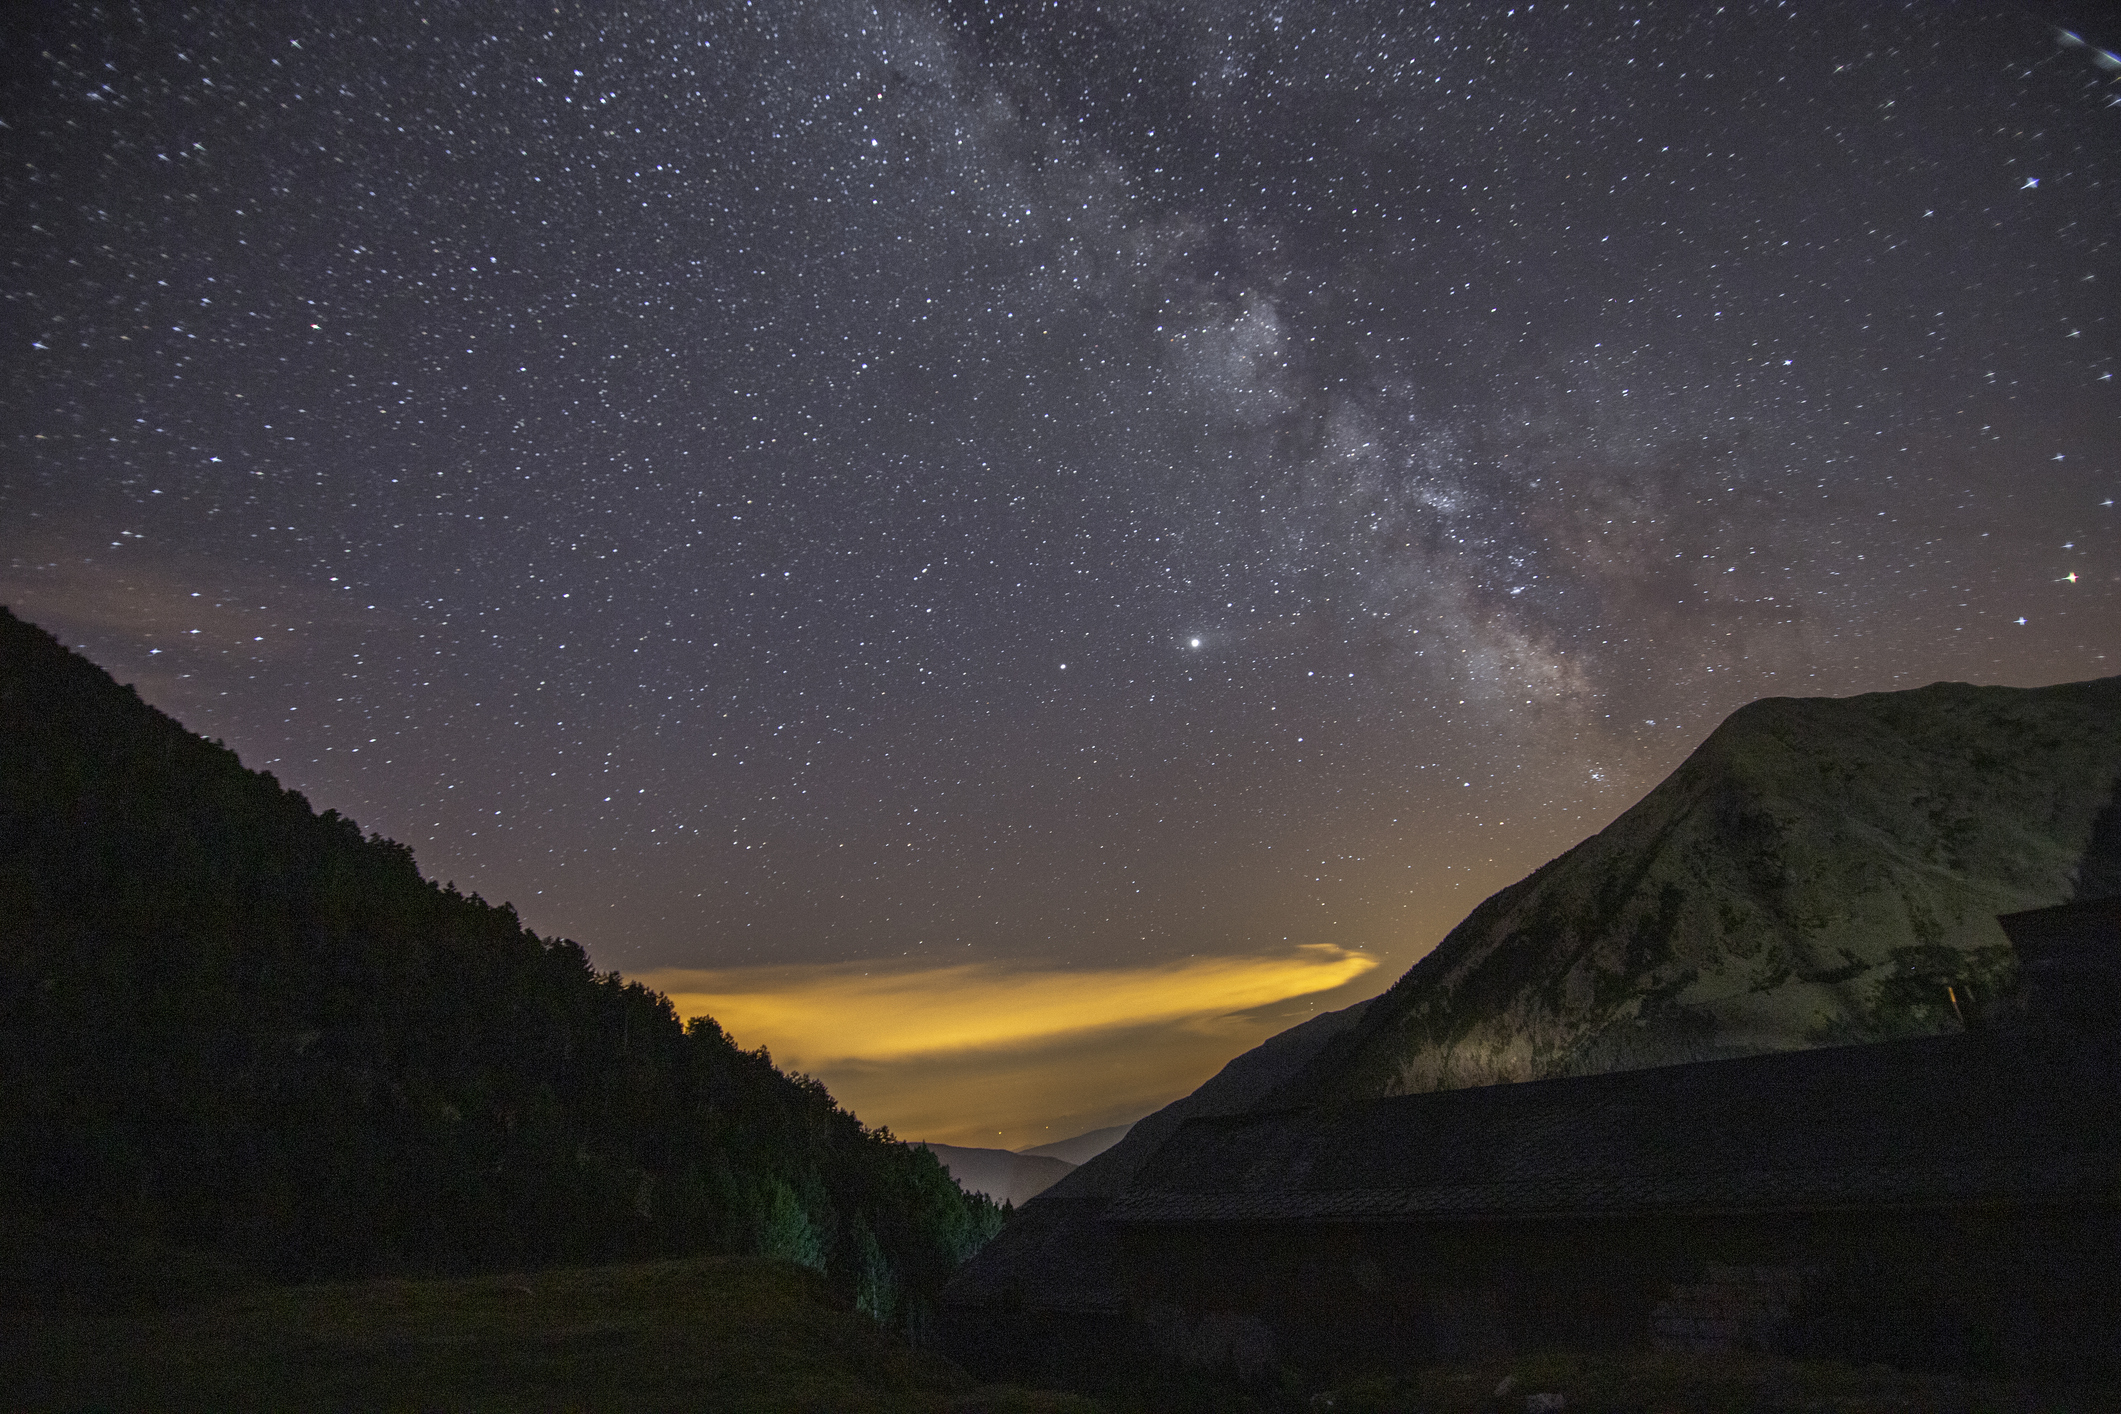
1819, 871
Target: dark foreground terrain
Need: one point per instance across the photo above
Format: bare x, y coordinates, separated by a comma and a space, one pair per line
1698, 1384
716, 1333
145, 1326
745, 1334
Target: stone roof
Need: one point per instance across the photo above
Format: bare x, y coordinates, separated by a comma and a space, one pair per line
1973, 1119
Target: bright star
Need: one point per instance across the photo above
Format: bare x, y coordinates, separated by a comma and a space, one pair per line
1193, 642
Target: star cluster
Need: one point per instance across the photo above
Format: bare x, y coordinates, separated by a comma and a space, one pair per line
1046, 484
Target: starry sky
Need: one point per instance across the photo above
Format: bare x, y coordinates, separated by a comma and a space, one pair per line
1012, 550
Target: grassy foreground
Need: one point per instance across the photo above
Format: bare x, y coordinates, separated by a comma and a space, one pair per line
749, 1334
735, 1334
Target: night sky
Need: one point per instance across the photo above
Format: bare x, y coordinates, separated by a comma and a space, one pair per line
1035, 540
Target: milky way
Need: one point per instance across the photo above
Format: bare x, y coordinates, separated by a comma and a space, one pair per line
1046, 484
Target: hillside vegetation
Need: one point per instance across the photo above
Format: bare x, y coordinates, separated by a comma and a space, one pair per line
706, 1334
232, 1026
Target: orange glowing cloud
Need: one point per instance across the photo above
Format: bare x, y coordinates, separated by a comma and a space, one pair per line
846, 1012
984, 1053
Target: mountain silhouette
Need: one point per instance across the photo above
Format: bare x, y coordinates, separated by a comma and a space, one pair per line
229, 1024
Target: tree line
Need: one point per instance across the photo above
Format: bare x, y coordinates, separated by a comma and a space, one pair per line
233, 1025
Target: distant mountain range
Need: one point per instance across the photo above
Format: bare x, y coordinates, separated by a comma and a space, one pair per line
1083, 1147
1017, 1176
1001, 1175
1819, 871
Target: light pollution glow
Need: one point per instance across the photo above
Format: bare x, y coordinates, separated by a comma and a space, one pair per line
987, 1054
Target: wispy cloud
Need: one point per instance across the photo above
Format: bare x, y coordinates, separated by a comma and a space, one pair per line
851, 1012
990, 1054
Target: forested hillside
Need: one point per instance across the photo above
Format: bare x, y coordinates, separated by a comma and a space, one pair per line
230, 1024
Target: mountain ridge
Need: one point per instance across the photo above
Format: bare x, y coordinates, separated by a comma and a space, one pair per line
1082, 1148
231, 1025
1819, 871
